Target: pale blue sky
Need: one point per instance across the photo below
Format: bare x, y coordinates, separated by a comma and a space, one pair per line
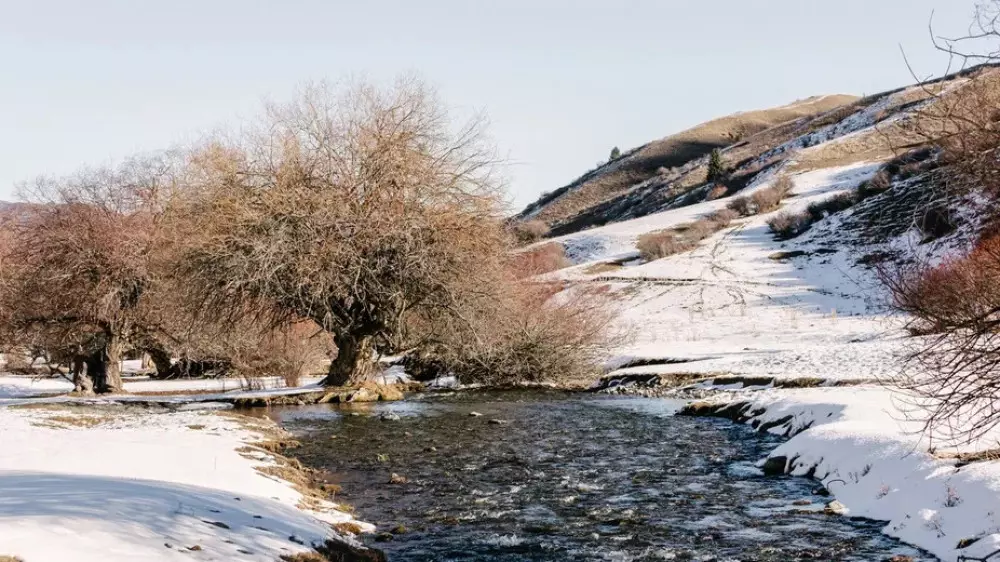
88, 82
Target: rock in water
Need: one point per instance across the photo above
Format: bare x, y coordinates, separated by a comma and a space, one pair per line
835, 508
389, 416
474, 414
774, 466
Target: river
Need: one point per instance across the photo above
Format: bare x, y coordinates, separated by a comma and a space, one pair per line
552, 476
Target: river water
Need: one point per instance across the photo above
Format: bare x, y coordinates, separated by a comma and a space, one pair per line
549, 476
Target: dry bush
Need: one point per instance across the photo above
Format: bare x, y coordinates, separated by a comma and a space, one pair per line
533, 333
723, 217
953, 372
741, 205
783, 185
350, 208
289, 352
789, 225
544, 258
819, 210
879, 184
528, 232
718, 191
662, 243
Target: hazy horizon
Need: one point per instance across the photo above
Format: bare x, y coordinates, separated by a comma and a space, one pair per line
562, 82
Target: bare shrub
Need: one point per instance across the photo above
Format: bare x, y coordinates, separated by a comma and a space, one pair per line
544, 258
783, 185
718, 191
528, 232
953, 371
534, 333
879, 184
821, 209
789, 225
723, 217
765, 200
662, 243
936, 221
742, 206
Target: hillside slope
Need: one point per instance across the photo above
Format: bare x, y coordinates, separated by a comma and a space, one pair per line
775, 324
674, 151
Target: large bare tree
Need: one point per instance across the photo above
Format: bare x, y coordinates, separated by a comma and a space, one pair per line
79, 268
351, 208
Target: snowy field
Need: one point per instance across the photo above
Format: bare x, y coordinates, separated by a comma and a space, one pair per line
109, 485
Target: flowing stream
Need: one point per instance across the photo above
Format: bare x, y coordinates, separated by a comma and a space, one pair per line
549, 476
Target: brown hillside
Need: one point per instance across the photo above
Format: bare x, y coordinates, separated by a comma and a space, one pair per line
616, 177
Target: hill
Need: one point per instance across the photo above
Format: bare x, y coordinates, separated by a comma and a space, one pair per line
787, 327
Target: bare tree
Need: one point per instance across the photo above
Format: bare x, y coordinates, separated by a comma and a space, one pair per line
952, 372
350, 209
78, 271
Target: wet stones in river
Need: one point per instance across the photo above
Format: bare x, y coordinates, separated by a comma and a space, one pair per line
774, 466
389, 416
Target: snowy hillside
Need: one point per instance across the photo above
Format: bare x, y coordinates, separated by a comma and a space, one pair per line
750, 314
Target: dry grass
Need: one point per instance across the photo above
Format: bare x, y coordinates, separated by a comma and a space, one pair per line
528, 232
662, 243
544, 258
10, 559
603, 267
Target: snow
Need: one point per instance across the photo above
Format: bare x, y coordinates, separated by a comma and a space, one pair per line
144, 486
875, 461
21, 386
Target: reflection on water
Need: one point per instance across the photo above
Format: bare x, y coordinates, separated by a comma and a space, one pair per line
550, 476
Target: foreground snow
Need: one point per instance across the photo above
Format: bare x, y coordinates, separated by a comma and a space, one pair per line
129, 485
857, 442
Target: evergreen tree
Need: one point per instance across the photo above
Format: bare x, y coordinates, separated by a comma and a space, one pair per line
716, 168
615, 153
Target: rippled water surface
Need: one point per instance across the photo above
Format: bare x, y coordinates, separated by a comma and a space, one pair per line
556, 477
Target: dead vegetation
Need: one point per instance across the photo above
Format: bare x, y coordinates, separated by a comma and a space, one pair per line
662, 243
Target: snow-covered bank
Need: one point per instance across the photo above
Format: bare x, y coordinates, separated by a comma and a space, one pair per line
857, 442
116, 484
22, 386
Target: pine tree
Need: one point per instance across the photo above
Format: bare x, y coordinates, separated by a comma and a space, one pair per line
615, 153
716, 168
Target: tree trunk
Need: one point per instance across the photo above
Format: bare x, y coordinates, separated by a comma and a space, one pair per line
353, 364
161, 360
82, 383
109, 362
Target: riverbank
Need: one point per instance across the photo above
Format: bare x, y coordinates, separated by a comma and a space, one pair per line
877, 464
124, 483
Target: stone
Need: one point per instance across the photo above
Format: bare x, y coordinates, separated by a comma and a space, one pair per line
397, 479
389, 416
390, 393
499, 422
474, 414
363, 394
835, 508
774, 466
